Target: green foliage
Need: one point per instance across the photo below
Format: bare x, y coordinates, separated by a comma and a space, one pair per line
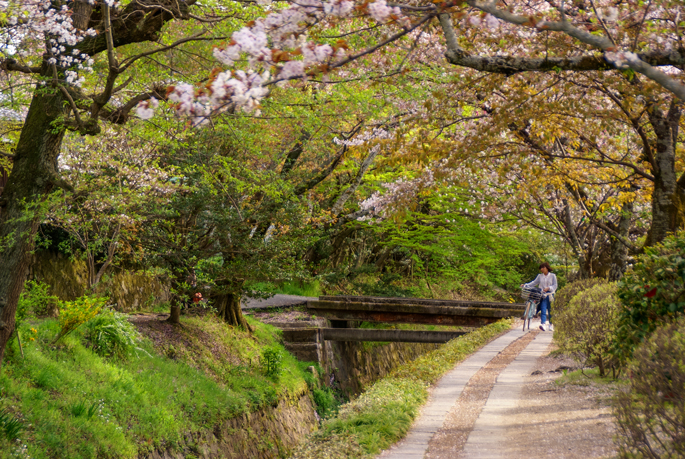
385, 284
384, 413
75, 403
326, 402
110, 334
271, 361
651, 414
652, 292
73, 314
443, 245
10, 426
35, 301
564, 295
586, 328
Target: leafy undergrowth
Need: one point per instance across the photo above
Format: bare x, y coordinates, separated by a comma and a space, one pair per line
71, 402
383, 414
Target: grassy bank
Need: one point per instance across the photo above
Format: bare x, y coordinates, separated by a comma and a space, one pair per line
70, 402
383, 414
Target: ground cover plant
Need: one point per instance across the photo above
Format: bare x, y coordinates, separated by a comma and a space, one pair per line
383, 414
84, 398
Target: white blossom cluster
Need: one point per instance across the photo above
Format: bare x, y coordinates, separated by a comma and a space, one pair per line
621, 59
230, 88
36, 22
380, 11
379, 204
364, 137
146, 109
272, 42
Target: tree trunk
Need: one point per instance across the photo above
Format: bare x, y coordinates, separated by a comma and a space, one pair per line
175, 312
619, 251
228, 308
33, 175
668, 195
576, 246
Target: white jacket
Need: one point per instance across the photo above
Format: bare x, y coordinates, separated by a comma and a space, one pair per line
545, 281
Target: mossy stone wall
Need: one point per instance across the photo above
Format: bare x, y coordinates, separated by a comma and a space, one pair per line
68, 279
358, 366
269, 433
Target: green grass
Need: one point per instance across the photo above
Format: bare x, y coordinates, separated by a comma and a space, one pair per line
300, 288
76, 404
383, 414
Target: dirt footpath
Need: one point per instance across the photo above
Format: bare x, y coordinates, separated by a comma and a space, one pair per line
561, 422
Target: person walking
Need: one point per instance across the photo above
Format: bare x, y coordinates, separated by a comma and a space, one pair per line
547, 282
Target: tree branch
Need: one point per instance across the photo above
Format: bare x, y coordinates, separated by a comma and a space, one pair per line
600, 42
11, 65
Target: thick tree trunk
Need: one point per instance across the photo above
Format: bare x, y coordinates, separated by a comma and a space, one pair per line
668, 196
33, 175
228, 308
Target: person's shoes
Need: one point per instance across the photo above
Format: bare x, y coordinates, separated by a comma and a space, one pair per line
551, 327
542, 327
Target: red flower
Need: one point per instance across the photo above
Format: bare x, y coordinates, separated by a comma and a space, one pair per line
651, 293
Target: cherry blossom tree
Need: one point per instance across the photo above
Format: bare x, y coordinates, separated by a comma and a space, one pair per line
53, 46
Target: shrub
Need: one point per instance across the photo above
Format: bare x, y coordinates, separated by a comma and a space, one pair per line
271, 360
35, 301
586, 328
566, 294
652, 292
73, 314
110, 334
651, 413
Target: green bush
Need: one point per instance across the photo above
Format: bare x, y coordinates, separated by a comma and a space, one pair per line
652, 292
35, 301
586, 328
271, 360
651, 413
564, 296
110, 334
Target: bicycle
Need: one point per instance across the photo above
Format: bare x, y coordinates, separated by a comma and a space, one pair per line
532, 297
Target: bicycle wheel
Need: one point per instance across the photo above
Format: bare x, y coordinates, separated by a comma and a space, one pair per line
526, 316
